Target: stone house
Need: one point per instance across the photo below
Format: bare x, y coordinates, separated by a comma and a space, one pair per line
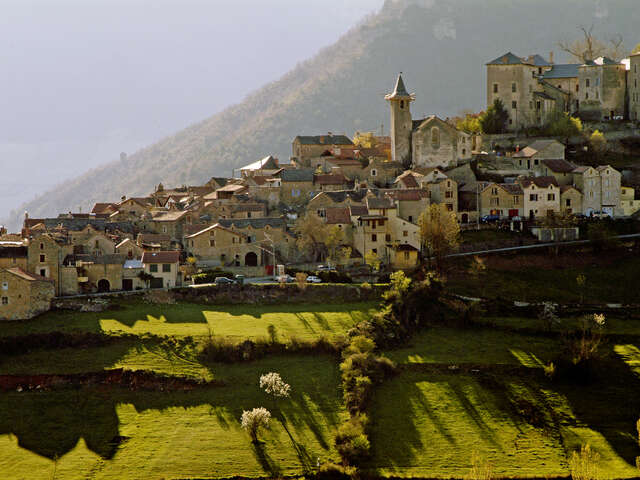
628, 203
306, 147
13, 255
503, 199
89, 240
265, 166
350, 167
410, 203
219, 246
345, 198
164, 267
561, 170
603, 88
130, 249
95, 273
296, 186
381, 172
331, 182
445, 191
153, 241
600, 187
570, 200
541, 196
170, 223
131, 275
266, 233
402, 256
633, 82
45, 254
23, 295
531, 156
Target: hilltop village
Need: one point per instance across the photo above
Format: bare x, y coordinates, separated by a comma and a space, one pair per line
368, 190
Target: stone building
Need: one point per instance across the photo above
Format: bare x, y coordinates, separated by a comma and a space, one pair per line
220, 246
502, 199
541, 196
307, 147
429, 142
603, 89
23, 295
164, 267
600, 187
570, 200
13, 255
45, 255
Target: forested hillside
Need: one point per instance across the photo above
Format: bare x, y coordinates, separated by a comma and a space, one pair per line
440, 45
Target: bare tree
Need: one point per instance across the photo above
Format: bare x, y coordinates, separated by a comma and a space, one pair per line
590, 47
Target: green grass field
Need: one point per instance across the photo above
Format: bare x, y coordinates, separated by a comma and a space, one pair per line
239, 322
614, 282
115, 434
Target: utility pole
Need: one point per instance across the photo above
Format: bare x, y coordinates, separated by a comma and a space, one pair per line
273, 252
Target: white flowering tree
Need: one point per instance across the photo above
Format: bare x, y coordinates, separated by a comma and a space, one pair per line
273, 384
253, 420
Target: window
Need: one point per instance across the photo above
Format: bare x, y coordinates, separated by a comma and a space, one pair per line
248, 214
5, 300
495, 88
295, 192
406, 255
591, 194
533, 197
551, 197
5, 285
513, 87
375, 250
212, 242
587, 83
374, 237
567, 202
597, 82
435, 137
607, 194
43, 258
464, 152
516, 199
538, 105
41, 246
321, 212
374, 172
494, 191
387, 237
514, 104
606, 182
577, 87
43, 272
597, 94
410, 218
97, 244
164, 229
448, 194
401, 104
494, 201
381, 223
510, 122
166, 268
449, 207
223, 257
405, 233
539, 70
586, 96
153, 268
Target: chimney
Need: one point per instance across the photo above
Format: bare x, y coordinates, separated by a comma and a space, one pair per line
123, 198
26, 215
551, 57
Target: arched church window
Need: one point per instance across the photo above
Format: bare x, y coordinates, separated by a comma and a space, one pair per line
435, 137
401, 104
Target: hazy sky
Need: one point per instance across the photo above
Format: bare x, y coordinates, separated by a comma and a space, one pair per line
83, 80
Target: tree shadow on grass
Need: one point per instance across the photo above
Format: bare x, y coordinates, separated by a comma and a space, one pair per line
266, 462
304, 322
322, 321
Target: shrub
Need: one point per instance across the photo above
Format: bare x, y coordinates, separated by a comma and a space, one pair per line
351, 440
584, 465
301, 280
548, 315
549, 370
253, 420
332, 471
272, 331
562, 125
494, 120
209, 276
598, 141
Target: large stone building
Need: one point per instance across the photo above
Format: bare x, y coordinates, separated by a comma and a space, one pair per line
633, 82
532, 88
428, 142
23, 295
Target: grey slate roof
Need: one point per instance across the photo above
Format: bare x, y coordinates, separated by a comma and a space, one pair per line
566, 70
399, 91
324, 140
77, 224
297, 175
506, 59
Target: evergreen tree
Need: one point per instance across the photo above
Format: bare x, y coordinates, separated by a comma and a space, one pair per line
495, 118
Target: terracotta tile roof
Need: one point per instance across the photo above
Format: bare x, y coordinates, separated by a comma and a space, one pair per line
512, 188
408, 180
330, 179
559, 166
103, 208
358, 210
380, 203
160, 257
337, 215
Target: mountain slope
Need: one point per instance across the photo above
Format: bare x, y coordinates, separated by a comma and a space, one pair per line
441, 45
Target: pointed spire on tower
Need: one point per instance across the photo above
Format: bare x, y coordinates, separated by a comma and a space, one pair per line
400, 91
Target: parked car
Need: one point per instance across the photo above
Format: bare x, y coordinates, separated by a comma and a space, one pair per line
224, 281
489, 218
325, 268
314, 279
600, 215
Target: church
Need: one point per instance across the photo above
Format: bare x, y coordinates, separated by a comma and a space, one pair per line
429, 142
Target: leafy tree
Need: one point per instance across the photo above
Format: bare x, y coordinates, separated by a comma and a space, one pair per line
470, 123
494, 120
562, 125
439, 231
253, 420
301, 280
598, 141
636, 49
316, 238
371, 258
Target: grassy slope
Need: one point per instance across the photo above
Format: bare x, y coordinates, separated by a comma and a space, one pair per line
606, 282
236, 321
430, 419
167, 435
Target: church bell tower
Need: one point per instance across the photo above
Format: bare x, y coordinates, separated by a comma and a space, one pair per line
401, 125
